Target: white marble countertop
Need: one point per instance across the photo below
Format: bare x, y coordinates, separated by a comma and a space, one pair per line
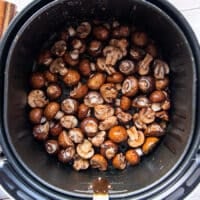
191, 10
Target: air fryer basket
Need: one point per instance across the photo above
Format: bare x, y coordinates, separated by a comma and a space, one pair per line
24, 152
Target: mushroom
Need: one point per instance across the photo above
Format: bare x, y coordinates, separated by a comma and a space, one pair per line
69, 121
59, 48
163, 115
55, 128
41, 131
79, 91
125, 103
127, 67
71, 78
54, 91
139, 38
135, 137
119, 161
83, 30
45, 58
115, 78
162, 84
37, 80
98, 139
122, 116
35, 115
101, 33
51, 110
109, 149
37, 98
117, 134
85, 149
156, 107
154, 129
137, 53
99, 162
161, 69
69, 106
72, 57
52, 147
144, 65
121, 31
147, 115
66, 155
58, 66
50, 77
79, 45
130, 86
85, 67
95, 48
122, 44
83, 111
146, 84
108, 123
92, 99
166, 105
89, 126
76, 135
157, 96
108, 92
138, 123
149, 144
112, 54
96, 80
132, 157
103, 111
101, 65
80, 164
141, 102
64, 140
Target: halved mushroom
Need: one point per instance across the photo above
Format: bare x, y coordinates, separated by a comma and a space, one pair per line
92, 99
59, 48
147, 115
85, 149
79, 91
58, 66
103, 111
80, 164
161, 69
130, 86
138, 123
76, 135
123, 117
109, 92
102, 66
83, 30
98, 139
37, 98
66, 155
108, 123
119, 161
64, 140
109, 149
141, 102
127, 67
41, 131
99, 162
136, 137
144, 65
154, 129
69, 121
149, 144
69, 106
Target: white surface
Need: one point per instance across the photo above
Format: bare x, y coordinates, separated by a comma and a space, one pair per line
191, 10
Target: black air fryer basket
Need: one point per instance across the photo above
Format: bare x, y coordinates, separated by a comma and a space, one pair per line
170, 172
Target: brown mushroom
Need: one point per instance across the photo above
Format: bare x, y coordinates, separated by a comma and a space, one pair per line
71, 78
72, 57
109, 92
66, 155
37, 80
135, 137
85, 67
96, 80
127, 67
79, 45
102, 66
121, 31
89, 126
144, 65
76, 135
35, 115
108, 123
147, 115
132, 157
92, 99
119, 161
130, 86
138, 123
83, 111
79, 91
101, 33
45, 58
103, 111
55, 128
117, 134
157, 96
52, 147
50, 77
54, 91
141, 102
80, 164
95, 48
59, 48
136, 53
139, 38
123, 117
154, 129
98, 139
58, 66
163, 115
99, 162
41, 131
69, 121
83, 30
115, 78
64, 140
161, 69
146, 84
125, 103
162, 84
149, 144
37, 98
109, 149
69, 106
85, 149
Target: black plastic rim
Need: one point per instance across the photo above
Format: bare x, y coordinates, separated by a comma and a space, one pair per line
182, 23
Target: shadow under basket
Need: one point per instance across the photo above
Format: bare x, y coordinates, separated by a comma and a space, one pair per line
29, 158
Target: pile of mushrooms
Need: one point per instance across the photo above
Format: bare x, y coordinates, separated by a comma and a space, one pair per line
100, 96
